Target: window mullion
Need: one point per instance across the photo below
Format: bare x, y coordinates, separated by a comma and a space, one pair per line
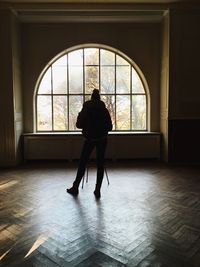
146, 111
131, 100
36, 112
52, 104
99, 71
84, 75
67, 93
115, 93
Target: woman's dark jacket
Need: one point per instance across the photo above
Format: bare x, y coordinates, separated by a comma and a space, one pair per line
94, 120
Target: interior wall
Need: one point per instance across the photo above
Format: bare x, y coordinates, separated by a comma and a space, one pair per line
7, 133
141, 42
164, 88
184, 106
42, 42
11, 121
17, 87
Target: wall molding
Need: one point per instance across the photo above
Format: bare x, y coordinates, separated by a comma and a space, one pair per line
68, 146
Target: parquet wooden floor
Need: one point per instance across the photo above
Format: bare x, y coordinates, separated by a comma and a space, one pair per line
149, 215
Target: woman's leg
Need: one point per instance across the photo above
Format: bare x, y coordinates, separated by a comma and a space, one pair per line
85, 154
100, 151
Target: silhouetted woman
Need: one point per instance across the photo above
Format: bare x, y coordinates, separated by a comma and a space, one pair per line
95, 122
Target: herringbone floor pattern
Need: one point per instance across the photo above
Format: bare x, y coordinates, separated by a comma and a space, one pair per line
148, 216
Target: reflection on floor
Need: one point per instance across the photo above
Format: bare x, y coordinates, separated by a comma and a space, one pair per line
149, 215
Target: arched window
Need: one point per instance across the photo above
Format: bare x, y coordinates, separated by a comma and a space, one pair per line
70, 79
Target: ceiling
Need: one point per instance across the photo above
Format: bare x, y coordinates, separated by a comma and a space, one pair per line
91, 10
97, 1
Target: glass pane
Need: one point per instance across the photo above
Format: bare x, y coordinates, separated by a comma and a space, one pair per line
138, 112
107, 57
87, 97
109, 101
59, 79
44, 113
45, 84
137, 86
121, 61
62, 61
107, 80
116, 73
123, 113
91, 56
60, 113
75, 58
75, 80
75, 106
91, 78
123, 79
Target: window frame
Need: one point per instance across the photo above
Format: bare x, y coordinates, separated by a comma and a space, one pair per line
85, 95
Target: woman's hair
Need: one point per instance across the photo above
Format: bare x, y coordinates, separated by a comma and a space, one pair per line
95, 95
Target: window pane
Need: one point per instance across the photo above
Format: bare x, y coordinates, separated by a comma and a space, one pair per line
123, 79
75, 80
107, 80
137, 86
91, 78
44, 113
91, 56
45, 85
109, 101
75, 58
71, 79
139, 112
123, 113
60, 113
62, 61
59, 79
107, 57
120, 61
87, 97
75, 104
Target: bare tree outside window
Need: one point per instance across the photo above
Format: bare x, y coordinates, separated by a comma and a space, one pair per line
69, 81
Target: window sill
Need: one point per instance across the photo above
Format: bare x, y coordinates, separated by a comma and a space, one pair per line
115, 133
121, 145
